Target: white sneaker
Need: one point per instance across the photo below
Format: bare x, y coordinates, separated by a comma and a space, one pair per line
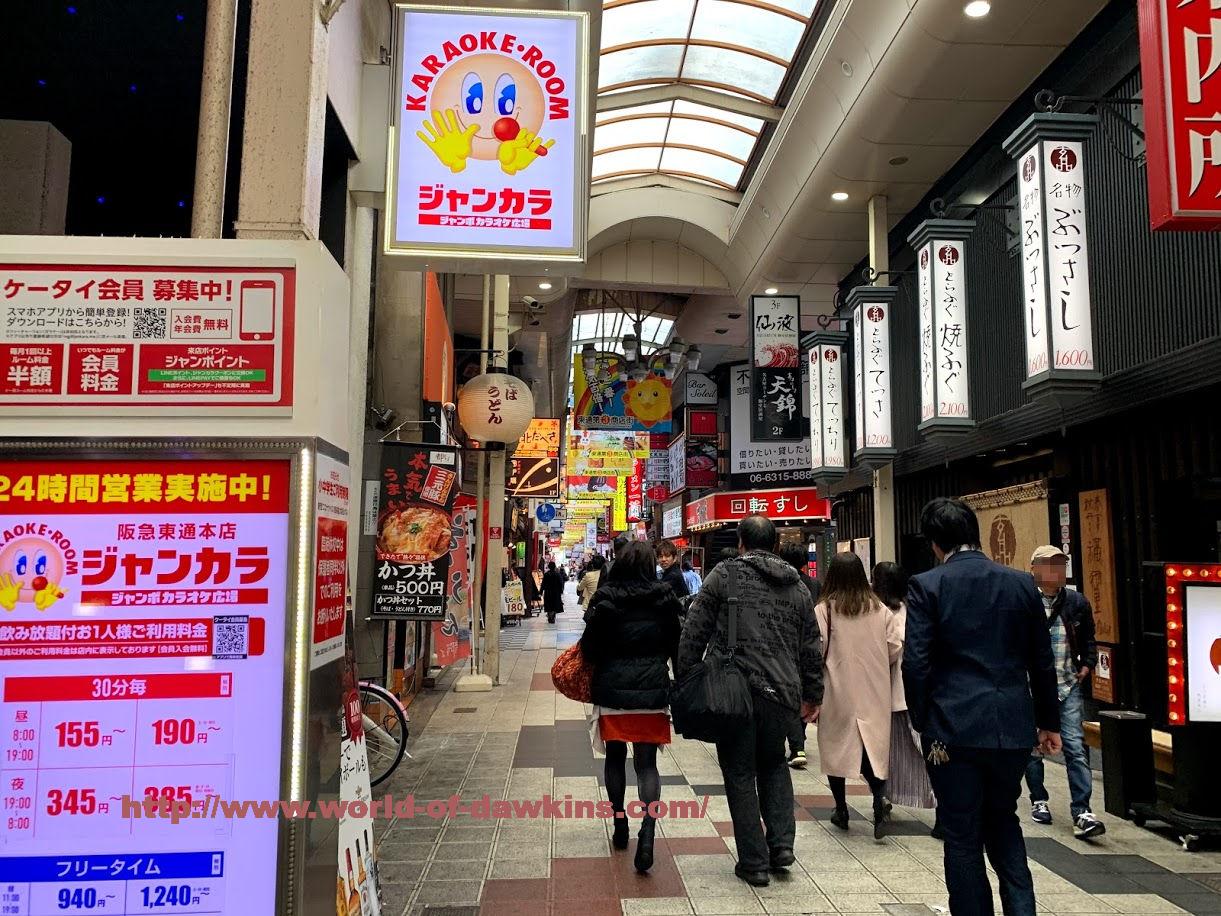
798, 760
1087, 826
1040, 813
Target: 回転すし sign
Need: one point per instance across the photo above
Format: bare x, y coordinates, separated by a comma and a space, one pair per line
138, 337
414, 531
490, 134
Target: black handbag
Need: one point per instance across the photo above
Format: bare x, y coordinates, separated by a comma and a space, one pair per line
712, 699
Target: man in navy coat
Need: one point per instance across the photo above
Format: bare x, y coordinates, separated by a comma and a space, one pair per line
981, 691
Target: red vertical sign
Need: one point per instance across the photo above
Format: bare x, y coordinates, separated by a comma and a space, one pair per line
1180, 53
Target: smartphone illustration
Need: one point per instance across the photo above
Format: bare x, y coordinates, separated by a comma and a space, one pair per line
257, 320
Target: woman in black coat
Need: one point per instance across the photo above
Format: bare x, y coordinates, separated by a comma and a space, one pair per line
631, 632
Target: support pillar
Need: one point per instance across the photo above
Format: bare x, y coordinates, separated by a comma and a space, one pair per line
285, 123
358, 364
496, 489
884, 477
215, 102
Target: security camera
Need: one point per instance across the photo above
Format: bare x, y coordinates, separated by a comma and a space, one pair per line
532, 304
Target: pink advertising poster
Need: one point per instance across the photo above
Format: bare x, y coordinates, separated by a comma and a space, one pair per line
142, 615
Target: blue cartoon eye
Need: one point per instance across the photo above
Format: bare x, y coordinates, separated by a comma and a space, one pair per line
40, 564
472, 93
506, 94
22, 565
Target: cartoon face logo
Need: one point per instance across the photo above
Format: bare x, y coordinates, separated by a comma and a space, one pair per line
488, 107
31, 569
648, 401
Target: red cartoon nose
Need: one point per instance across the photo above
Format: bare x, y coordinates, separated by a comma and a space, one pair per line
39, 583
506, 129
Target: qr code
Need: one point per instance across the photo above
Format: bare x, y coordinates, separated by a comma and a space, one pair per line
150, 324
230, 637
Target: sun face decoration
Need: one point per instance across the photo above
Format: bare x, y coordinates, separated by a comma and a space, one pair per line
31, 569
649, 400
488, 107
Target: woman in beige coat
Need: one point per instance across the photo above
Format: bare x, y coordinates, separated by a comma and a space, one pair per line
860, 640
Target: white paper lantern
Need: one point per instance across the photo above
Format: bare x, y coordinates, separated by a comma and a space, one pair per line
495, 407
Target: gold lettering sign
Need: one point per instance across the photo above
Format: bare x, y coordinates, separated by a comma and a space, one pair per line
1098, 562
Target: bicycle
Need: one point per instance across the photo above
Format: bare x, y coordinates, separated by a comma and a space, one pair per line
386, 730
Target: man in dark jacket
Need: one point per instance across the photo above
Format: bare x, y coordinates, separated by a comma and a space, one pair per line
553, 592
777, 647
671, 571
981, 691
1070, 623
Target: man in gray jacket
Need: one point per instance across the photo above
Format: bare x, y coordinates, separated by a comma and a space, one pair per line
779, 649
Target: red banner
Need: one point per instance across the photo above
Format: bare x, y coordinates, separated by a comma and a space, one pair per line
778, 505
1179, 47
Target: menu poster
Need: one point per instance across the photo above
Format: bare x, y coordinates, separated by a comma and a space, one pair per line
414, 522
451, 638
512, 601
357, 878
141, 657
332, 483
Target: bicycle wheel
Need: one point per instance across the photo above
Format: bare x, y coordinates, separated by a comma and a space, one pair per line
385, 725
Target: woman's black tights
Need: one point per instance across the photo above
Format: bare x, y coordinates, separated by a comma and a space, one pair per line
839, 790
648, 780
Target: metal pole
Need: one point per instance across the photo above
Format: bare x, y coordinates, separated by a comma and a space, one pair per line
477, 650
496, 494
215, 97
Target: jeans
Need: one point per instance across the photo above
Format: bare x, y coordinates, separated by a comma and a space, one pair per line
757, 782
977, 792
1076, 758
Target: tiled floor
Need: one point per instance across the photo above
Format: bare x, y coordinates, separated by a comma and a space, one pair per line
523, 740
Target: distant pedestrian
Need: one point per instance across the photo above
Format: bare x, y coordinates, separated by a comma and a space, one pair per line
797, 556
981, 691
553, 592
620, 544
860, 641
777, 648
671, 572
691, 577
590, 580
631, 635
908, 783
1070, 622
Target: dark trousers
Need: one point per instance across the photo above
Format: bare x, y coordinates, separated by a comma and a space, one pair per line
977, 793
757, 782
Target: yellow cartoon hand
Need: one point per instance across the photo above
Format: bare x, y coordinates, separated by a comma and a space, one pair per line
448, 141
10, 590
516, 154
47, 597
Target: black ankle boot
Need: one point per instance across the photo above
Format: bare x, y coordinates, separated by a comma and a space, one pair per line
620, 836
840, 817
881, 817
644, 845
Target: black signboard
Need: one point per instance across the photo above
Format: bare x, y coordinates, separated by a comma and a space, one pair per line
534, 477
775, 404
414, 531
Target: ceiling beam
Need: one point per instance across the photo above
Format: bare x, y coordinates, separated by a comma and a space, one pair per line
698, 94
656, 180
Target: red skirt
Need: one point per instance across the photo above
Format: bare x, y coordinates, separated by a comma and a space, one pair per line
637, 726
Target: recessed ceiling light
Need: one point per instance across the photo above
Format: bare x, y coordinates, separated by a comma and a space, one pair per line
977, 9
899, 160
734, 316
770, 291
840, 196
722, 331
544, 285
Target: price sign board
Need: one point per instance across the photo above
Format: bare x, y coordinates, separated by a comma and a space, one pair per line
141, 657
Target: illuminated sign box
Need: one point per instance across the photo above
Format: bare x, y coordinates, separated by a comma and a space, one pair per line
1193, 643
487, 156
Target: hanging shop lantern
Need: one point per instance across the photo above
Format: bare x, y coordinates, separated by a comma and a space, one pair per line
871, 306
496, 407
827, 447
1055, 253
941, 257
